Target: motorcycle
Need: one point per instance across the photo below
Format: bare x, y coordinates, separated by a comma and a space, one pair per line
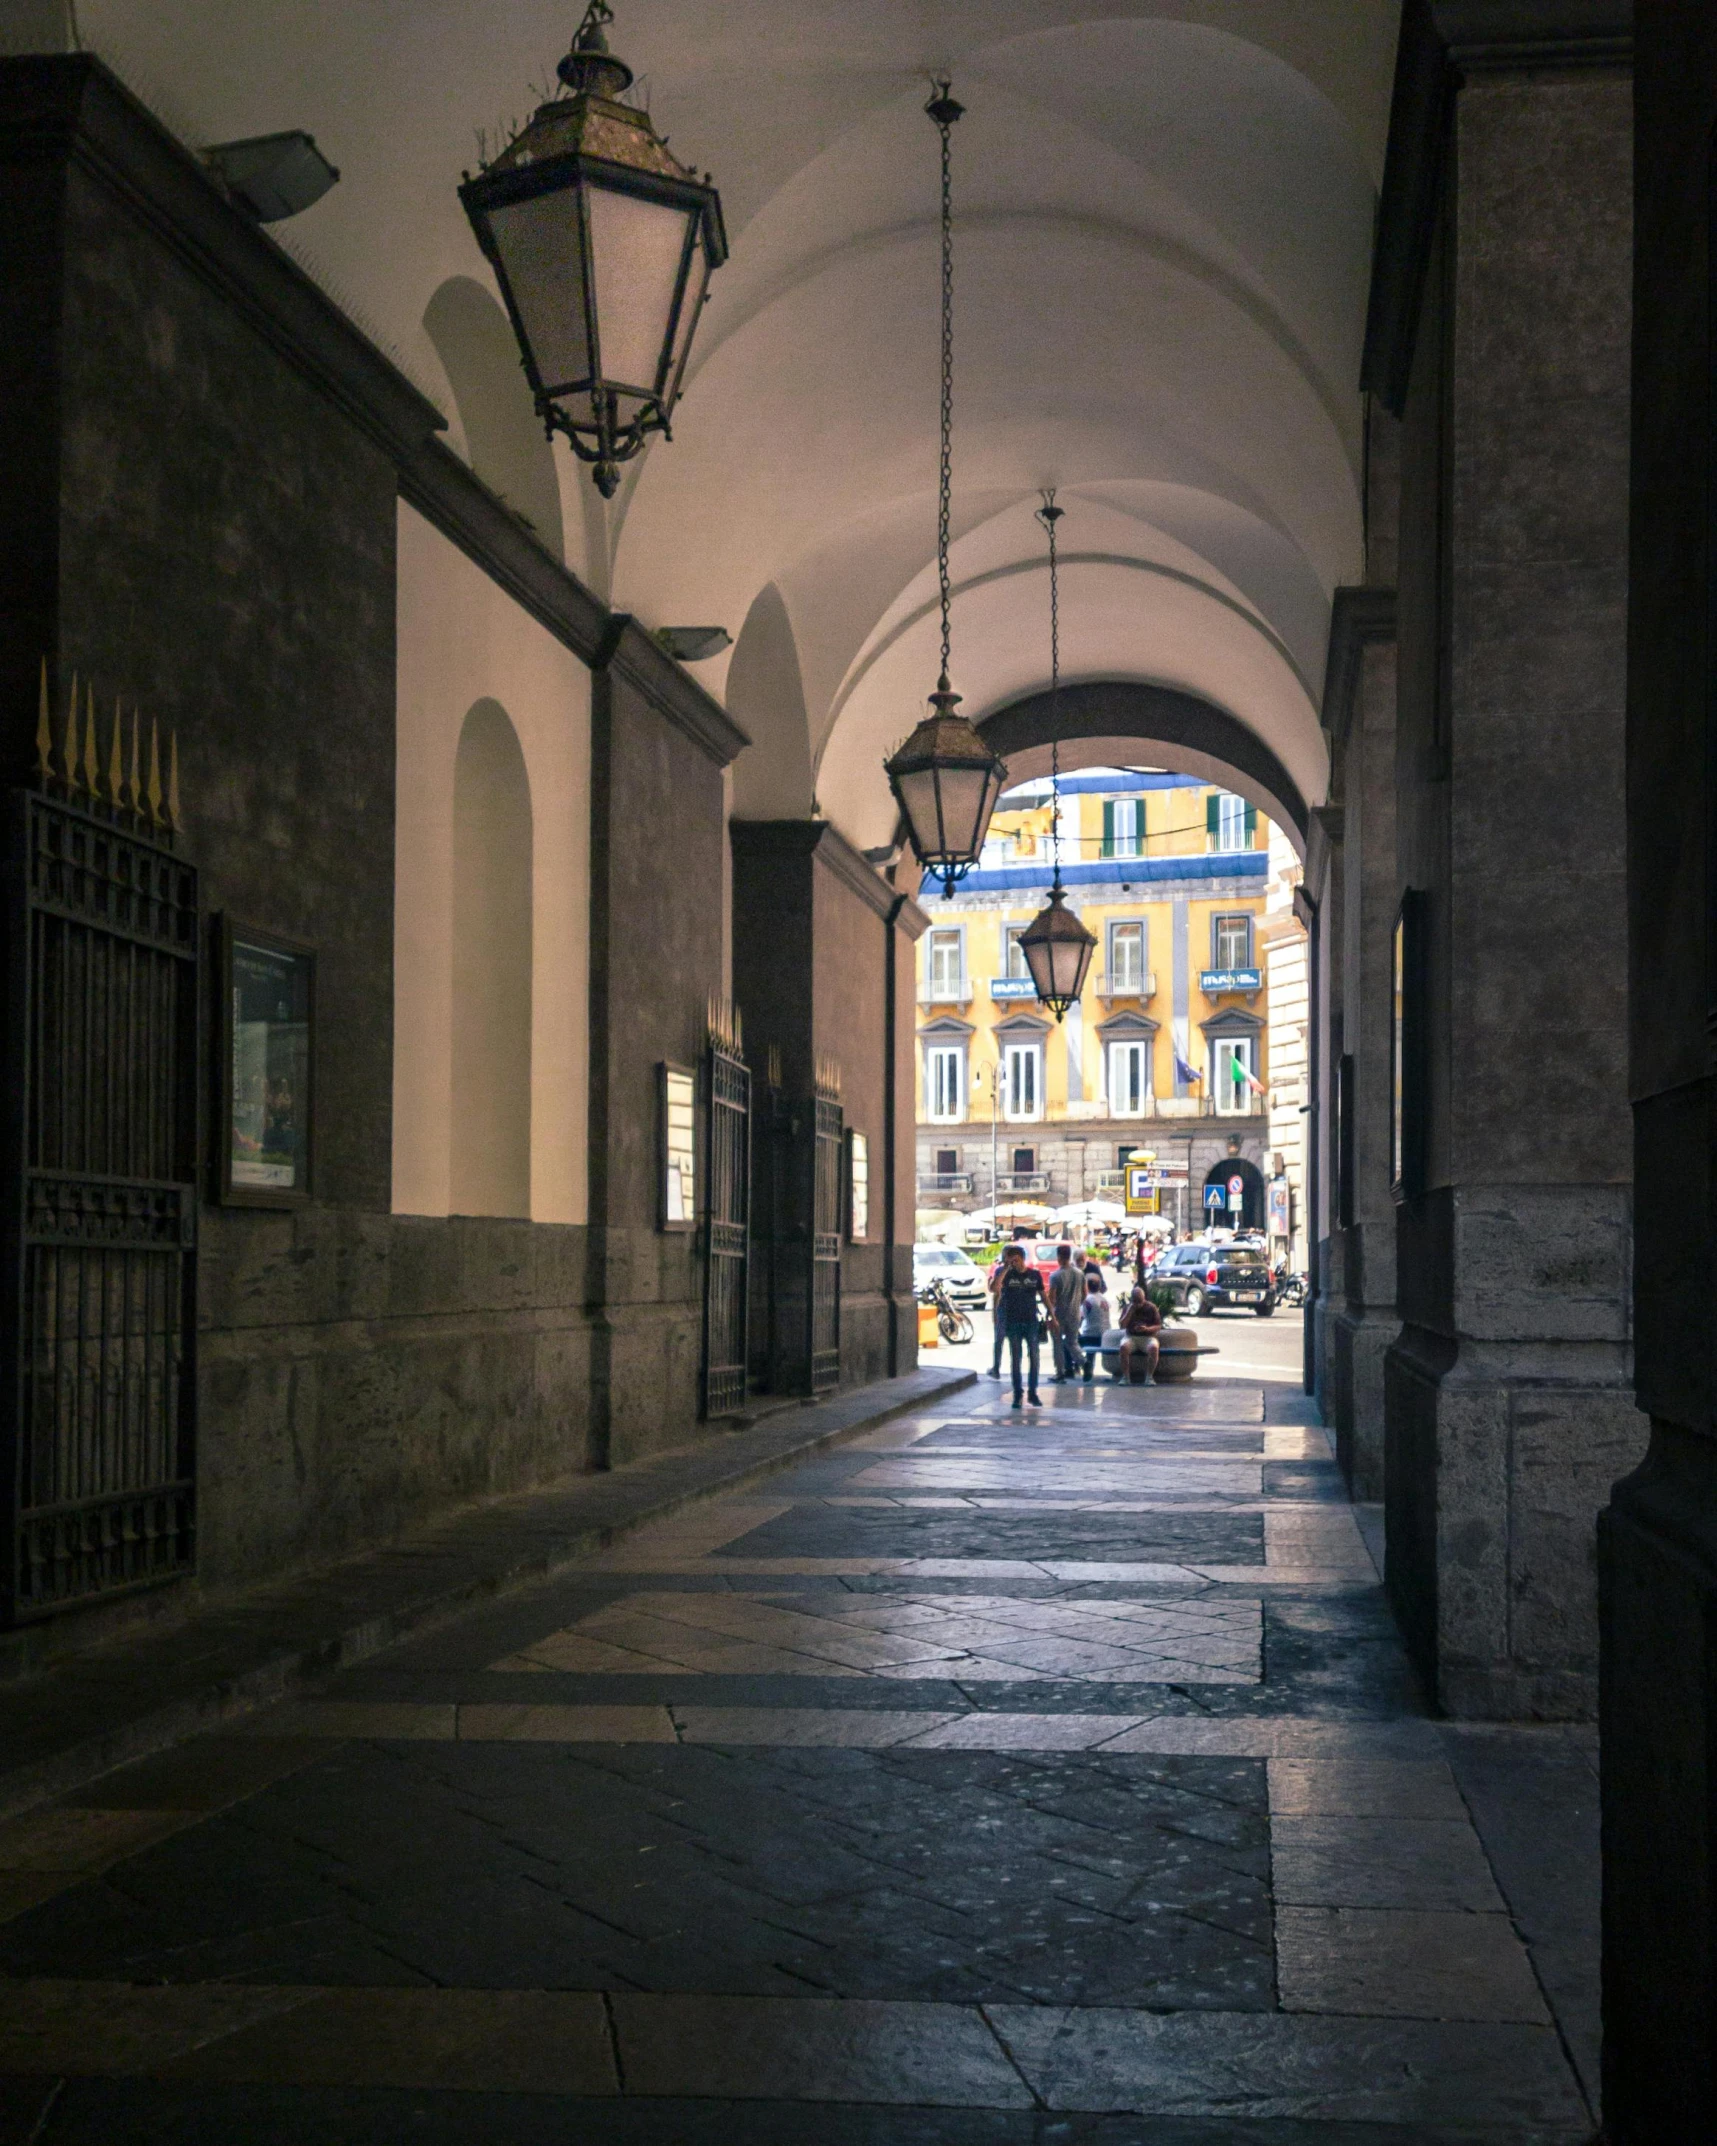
1290, 1288
951, 1322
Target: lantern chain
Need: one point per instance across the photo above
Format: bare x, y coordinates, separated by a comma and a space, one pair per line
944, 111
1049, 514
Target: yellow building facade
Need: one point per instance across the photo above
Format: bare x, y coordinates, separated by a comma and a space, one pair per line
1167, 1046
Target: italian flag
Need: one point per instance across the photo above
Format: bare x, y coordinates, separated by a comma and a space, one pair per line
1243, 1078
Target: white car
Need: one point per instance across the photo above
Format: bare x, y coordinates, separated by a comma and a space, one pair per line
963, 1280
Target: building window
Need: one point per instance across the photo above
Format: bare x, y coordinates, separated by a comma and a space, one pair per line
1234, 1075
1231, 942
946, 964
1022, 1076
1127, 958
1129, 1078
1230, 822
1025, 1161
1013, 954
1123, 827
858, 1187
947, 1162
945, 1083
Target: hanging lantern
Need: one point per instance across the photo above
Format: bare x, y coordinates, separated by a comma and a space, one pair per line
1056, 946
945, 779
604, 245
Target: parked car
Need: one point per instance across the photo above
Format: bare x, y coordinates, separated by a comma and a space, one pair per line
940, 1262
1211, 1277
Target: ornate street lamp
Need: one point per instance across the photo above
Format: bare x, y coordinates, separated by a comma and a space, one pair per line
945, 779
1056, 946
604, 245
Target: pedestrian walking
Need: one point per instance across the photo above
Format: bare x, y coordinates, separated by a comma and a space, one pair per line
1021, 1299
1093, 1320
1064, 1294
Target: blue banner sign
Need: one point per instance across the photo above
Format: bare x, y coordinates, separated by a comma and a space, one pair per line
1211, 981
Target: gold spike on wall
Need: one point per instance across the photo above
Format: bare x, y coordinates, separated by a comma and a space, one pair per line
772, 1065
91, 763
829, 1079
173, 820
70, 754
44, 733
724, 1028
116, 764
155, 770
136, 766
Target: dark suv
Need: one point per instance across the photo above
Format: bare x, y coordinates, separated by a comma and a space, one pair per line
1208, 1277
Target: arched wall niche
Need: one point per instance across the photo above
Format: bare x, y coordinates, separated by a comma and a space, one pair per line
462, 643
766, 696
1120, 723
503, 435
489, 1164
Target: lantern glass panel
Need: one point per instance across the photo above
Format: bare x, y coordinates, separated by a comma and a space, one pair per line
697, 282
541, 244
964, 813
638, 247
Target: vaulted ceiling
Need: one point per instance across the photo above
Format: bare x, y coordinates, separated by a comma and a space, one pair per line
1163, 225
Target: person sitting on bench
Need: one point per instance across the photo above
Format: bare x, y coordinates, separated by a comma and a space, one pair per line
1141, 1323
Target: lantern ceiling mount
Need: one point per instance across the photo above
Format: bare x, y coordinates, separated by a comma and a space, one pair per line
603, 244
945, 779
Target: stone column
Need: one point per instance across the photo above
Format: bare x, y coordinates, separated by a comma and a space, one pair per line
658, 746
1658, 1539
823, 970
1500, 331
1359, 716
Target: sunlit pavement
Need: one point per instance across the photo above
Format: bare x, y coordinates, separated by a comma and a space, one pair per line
995, 1777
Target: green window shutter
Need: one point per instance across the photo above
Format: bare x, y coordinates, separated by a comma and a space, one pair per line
1108, 828
1251, 821
1213, 815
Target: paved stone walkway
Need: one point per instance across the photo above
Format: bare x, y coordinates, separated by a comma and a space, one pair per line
1055, 1778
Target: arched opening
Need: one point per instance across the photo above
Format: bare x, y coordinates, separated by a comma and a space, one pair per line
1223, 1177
490, 1136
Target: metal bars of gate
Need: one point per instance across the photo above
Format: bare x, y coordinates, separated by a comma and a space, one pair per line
826, 1246
98, 1209
727, 1232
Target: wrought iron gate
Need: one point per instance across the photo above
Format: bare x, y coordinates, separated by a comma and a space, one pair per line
98, 1199
829, 1152
727, 1229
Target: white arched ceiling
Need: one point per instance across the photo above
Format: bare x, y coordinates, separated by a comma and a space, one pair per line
1164, 221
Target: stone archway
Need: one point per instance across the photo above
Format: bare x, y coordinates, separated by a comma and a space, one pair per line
1110, 720
1252, 1192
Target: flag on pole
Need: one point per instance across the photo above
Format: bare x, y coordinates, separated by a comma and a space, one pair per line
1183, 1071
1243, 1076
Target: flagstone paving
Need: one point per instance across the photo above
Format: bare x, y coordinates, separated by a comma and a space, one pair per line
988, 1780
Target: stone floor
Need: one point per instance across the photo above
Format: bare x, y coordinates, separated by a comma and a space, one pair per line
1054, 1777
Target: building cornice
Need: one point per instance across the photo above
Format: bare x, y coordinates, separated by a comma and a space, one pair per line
1360, 615
1442, 42
823, 842
639, 660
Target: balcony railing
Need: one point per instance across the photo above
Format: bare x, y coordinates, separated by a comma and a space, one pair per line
1019, 1182
946, 993
945, 1181
1129, 983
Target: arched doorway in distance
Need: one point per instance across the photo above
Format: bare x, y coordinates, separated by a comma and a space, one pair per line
1251, 1178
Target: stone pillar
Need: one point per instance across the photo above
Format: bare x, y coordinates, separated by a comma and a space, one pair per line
1359, 716
1500, 331
1658, 1538
658, 748
823, 970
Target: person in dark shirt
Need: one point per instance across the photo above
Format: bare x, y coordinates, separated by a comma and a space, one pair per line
1020, 1300
1141, 1324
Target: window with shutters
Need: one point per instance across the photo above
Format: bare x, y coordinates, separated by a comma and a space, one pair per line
1025, 1161
1126, 956
1013, 954
1234, 1075
1022, 1069
1230, 822
945, 1083
1129, 1078
1123, 827
1231, 942
947, 1162
945, 959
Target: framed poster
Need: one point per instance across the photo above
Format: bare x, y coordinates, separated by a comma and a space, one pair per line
858, 1187
266, 1067
677, 1111
1406, 1051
